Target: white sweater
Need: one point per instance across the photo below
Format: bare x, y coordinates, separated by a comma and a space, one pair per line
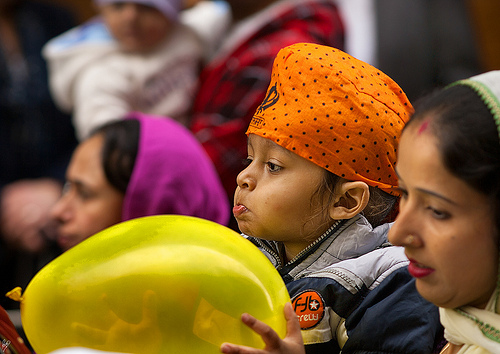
92, 78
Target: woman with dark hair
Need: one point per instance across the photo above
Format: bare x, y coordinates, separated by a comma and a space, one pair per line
449, 223
136, 167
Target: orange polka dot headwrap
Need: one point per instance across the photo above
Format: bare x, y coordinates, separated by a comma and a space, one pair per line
336, 111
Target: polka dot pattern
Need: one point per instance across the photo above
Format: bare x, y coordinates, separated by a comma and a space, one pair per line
336, 111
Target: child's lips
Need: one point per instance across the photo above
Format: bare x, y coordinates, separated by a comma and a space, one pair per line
239, 209
418, 270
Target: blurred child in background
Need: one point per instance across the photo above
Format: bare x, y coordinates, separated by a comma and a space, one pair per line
135, 56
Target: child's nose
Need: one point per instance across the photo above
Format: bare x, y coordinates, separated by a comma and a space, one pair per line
245, 179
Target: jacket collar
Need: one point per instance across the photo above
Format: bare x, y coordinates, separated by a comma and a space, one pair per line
344, 240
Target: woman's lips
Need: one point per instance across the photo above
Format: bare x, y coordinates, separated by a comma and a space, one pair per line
238, 210
418, 270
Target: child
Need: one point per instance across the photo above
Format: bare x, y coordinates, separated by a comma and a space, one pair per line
449, 224
135, 57
319, 185
137, 167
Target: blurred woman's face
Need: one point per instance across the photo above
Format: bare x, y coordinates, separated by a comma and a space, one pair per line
89, 203
446, 227
137, 28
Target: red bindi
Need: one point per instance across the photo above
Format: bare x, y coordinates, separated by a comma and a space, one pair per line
423, 127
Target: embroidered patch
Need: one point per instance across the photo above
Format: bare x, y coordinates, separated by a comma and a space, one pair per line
309, 307
271, 99
257, 122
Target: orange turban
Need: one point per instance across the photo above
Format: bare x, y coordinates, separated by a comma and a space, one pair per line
336, 111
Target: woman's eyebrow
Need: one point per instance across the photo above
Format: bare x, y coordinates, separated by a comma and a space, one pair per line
429, 192
437, 195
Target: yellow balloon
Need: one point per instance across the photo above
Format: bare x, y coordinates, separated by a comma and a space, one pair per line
158, 284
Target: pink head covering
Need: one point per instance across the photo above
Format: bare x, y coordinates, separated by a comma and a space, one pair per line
170, 8
172, 175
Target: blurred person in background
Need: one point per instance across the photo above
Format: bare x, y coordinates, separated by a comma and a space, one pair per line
135, 55
134, 167
36, 138
421, 44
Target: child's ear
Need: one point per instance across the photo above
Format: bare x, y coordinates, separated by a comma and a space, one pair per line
351, 199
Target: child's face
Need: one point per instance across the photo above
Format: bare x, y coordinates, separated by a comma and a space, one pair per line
446, 227
90, 203
274, 198
138, 28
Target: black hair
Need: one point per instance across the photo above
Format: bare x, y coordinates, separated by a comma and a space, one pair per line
119, 151
467, 138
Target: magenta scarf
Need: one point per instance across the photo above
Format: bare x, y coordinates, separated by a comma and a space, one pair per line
173, 175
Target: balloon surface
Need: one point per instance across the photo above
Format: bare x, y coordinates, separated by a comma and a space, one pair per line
158, 284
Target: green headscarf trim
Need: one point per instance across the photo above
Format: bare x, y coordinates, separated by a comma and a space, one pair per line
487, 86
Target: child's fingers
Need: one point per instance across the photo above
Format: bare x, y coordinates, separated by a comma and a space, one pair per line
228, 348
292, 324
267, 333
274, 344
269, 336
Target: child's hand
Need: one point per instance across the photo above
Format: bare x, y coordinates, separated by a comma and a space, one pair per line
292, 344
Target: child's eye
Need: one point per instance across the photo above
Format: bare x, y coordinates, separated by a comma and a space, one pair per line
273, 167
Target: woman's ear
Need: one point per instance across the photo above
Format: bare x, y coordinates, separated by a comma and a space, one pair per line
351, 199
